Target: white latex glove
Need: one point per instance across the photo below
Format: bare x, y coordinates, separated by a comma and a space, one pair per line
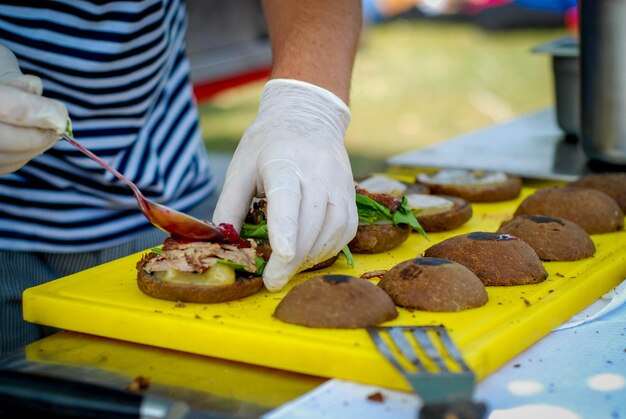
29, 123
293, 153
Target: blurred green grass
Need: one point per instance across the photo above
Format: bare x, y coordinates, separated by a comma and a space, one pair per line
416, 83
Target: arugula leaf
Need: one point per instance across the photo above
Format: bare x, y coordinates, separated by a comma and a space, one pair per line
157, 250
234, 265
371, 211
260, 265
404, 215
259, 262
348, 255
254, 231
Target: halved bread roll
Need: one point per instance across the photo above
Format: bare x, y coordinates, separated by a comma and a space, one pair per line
552, 238
378, 238
439, 212
433, 284
612, 184
473, 185
591, 209
336, 301
379, 183
497, 259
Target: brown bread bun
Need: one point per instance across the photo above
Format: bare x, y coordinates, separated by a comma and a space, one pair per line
377, 238
612, 184
433, 284
593, 210
505, 187
497, 259
552, 238
149, 284
336, 301
453, 218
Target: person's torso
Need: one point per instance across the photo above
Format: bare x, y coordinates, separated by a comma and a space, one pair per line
121, 70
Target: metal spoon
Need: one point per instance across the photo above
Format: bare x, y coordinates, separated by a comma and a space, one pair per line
167, 219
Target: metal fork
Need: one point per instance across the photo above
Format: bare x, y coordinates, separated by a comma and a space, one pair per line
434, 367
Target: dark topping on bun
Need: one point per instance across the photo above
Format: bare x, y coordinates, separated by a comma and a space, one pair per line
336, 279
541, 220
431, 261
482, 235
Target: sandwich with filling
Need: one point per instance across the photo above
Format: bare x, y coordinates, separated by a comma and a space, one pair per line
385, 222
201, 271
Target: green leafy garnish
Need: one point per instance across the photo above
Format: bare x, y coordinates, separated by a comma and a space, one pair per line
371, 211
259, 231
156, 250
348, 255
259, 263
255, 231
68, 128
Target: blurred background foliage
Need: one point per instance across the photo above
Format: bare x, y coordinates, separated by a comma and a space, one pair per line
416, 82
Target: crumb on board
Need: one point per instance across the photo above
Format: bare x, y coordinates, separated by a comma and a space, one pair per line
139, 383
180, 304
376, 397
373, 274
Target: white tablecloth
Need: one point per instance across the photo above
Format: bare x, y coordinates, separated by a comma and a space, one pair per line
578, 371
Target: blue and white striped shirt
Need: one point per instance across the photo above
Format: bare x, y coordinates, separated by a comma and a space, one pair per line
121, 70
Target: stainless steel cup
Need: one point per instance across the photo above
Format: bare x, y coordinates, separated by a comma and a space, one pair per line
603, 79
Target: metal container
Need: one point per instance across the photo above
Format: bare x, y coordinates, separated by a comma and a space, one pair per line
603, 79
565, 68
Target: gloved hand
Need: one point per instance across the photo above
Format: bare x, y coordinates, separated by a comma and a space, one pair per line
29, 123
293, 153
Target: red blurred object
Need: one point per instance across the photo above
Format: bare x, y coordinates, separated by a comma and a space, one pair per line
206, 90
472, 7
571, 19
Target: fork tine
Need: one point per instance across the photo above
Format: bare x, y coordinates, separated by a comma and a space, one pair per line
426, 343
375, 334
432, 379
453, 351
399, 339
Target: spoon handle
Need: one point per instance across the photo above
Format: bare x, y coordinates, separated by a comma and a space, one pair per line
140, 198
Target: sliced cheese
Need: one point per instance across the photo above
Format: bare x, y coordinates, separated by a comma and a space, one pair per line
383, 184
462, 177
218, 274
422, 204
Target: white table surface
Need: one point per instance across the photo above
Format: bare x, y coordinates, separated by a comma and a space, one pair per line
578, 371
531, 146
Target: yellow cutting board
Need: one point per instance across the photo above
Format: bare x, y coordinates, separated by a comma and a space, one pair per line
105, 301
